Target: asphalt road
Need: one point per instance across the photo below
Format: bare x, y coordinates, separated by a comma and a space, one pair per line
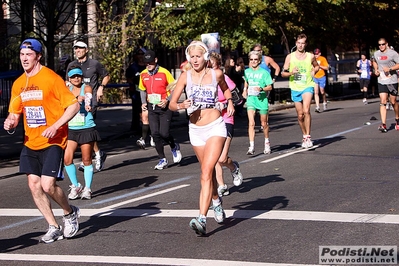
341, 193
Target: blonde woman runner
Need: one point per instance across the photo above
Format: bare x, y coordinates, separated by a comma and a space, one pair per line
207, 129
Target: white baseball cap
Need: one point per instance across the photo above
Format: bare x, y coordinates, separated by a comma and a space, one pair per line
80, 44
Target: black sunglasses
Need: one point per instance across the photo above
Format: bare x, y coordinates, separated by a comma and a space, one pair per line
381, 44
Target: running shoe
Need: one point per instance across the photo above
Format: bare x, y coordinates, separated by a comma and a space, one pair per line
100, 160
324, 106
237, 176
71, 223
86, 193
141, 143
81, 167
152, 142
219, 213
260, 129
176, 153
267, 149
383, 128
251, 151
75, 192
365, 102
199, 226
304, 143
317, 110
163, 163
53, 234
309, 142
223, 190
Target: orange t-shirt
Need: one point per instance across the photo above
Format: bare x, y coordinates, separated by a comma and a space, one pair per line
322, 61
42, 99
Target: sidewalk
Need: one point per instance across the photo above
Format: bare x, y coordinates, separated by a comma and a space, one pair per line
114, 123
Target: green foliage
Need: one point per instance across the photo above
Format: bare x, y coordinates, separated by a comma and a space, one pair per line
241, 23
120, 27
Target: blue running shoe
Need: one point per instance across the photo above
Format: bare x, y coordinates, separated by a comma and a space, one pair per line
219, 213
176, 153
163, 163
199, 226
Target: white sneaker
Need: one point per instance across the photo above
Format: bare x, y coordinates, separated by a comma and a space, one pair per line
251, 151
176, 153
307, 143
71, 223
267, 149
141, 143
163, 163
223, 190
152, 142
324, 106
53, 234
317, 110
100, 161
86, 193
237, 176
75, 192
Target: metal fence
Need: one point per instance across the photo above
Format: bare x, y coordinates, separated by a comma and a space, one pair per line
6, 81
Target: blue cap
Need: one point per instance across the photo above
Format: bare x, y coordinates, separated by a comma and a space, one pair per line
35, 45
75, 71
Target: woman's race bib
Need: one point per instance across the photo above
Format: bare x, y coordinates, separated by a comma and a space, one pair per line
204, 96
35, 116
77, 121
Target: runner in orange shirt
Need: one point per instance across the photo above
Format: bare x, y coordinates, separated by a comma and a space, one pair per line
320, 80
40, 95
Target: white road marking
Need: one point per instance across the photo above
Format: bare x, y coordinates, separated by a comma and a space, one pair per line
146, 196
131, 260
340, 217
291, 152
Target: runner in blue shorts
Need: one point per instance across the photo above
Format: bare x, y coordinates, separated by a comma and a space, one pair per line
299, 67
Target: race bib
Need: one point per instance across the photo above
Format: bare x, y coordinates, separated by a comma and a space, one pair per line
77, 121
203, 96
300, 78
35, 116
154, 98
253, 91
364, 74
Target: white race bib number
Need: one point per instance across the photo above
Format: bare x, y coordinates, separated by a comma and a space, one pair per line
77, 121
35, 116
204, 96
154, 98
253, 91
300, 78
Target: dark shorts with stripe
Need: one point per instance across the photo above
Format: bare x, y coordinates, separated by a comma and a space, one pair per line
48, 161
